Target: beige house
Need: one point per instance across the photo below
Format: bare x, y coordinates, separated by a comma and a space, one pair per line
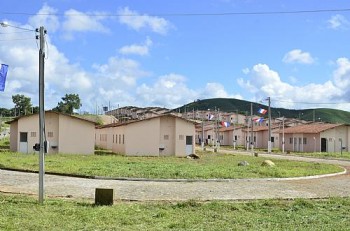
164, 135
316, 137
65, 133
229, 135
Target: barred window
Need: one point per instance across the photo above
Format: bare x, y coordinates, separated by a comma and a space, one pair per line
50, 134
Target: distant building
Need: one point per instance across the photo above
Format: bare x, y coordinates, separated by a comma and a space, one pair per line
317, 137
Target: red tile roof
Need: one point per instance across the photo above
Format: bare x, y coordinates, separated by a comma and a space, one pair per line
310, 128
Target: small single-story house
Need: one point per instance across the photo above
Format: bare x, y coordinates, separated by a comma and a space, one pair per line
260, 135
207, 129
65, 133
231, 134
163, 135
316, 137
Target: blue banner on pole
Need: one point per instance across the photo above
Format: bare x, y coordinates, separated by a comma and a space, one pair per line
3, 74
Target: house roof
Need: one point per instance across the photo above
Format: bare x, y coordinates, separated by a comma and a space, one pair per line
310, 128
54, 112
230, 128
137, 121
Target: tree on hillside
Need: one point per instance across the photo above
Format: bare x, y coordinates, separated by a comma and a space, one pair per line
68, 104
23, 105
5, 112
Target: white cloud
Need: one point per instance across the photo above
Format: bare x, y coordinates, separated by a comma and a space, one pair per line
169, 91
137, 49
45, 16
137, 21
76, 21
262, 82
342, 73
119, 72
338, 22
298, 56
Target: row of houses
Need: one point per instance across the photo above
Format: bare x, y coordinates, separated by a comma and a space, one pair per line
162, 135
296, 136
169, 134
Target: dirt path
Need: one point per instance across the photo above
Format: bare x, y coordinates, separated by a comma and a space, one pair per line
237, 189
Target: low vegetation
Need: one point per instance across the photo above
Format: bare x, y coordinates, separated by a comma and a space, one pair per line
24, 213
210, 165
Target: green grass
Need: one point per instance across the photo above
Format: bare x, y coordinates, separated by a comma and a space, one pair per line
210, 165
336, 155
24, 213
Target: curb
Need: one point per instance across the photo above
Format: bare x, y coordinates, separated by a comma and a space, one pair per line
179, 180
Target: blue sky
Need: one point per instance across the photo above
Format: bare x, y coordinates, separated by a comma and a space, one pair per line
169, 53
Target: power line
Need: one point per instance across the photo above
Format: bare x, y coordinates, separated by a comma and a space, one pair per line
10, 40
323, 103
16, 32
187, 14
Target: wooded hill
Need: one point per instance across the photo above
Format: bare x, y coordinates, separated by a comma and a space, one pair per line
244, 107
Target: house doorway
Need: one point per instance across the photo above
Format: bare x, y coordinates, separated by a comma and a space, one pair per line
323, 145
23, 142
189, 145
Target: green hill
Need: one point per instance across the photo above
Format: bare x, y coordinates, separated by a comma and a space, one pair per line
244, 107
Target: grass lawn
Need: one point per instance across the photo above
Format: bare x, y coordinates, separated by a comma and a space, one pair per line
337, 155
210, 165
24, 213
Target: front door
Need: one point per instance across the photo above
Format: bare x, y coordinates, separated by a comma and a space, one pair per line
23, 142
323, 145
189, 145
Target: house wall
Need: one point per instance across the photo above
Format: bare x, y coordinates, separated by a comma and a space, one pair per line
296, 142
333, 136
118, 139
29, 125
75, 136
167, 136
51, 131
142, 138
182, 129
226, 137
14, 137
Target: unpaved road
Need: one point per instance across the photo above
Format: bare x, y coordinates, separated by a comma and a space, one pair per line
236, 189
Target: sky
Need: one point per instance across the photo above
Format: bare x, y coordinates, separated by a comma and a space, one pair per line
170, 53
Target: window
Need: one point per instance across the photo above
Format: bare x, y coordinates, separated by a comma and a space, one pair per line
291, 140
235, 138
120, 139
304, 140
113, 138
272, 139
189, 140
33, 134
50, 134
123, 139
166, 137
23, 137
181, 137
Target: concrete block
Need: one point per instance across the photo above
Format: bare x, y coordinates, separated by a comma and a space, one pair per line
104, 196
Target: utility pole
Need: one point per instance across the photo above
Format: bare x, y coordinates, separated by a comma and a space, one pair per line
283, 134
252, 130
247, 136
41, 38
202, 143
269, 143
